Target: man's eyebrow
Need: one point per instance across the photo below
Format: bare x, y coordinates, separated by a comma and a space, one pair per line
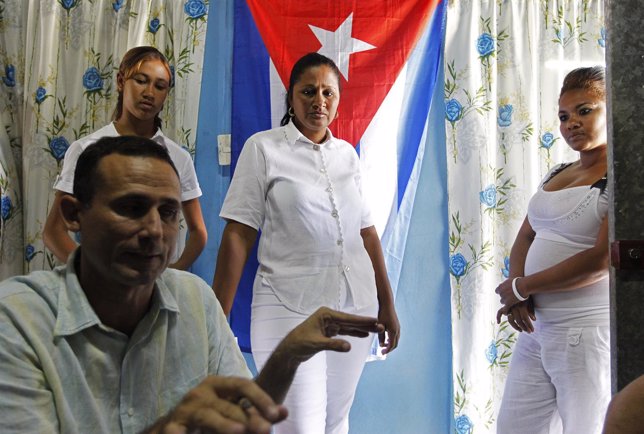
145, 198
172, 201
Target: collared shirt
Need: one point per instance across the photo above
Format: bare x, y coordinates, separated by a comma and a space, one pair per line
180, 157
306, 198
62, 370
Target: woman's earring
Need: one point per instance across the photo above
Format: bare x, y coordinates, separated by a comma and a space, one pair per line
291, 112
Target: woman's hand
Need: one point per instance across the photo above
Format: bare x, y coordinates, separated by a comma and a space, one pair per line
387, 316
506, 294
520, 316
386, 311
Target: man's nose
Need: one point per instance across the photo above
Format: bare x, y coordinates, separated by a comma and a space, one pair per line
151, 224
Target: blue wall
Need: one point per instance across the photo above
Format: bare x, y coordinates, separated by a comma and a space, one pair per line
411, 391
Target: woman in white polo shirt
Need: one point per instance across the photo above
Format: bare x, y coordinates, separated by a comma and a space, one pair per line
143, 83
318, 247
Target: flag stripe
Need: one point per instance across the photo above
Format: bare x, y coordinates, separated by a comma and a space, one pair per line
251, 109
251, 112
419, 101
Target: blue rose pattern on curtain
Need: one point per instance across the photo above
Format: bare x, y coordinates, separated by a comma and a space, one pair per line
61, 86
502, 80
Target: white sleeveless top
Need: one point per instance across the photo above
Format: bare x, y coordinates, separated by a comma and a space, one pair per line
567, 222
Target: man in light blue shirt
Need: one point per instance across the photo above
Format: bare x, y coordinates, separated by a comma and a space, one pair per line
115, 342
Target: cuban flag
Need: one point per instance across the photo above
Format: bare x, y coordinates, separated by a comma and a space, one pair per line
388, 55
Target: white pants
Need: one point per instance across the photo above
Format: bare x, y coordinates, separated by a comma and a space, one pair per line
322, 392
559, 381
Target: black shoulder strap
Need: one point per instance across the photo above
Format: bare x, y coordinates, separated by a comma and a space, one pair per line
561, 167
601, 183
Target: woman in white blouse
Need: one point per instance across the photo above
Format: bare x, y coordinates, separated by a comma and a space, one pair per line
318, 247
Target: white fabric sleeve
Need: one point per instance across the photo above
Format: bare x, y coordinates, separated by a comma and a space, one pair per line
365, 220
189, 184
246, 198
65, 181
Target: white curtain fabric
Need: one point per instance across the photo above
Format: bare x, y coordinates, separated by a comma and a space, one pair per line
505, 61
58, 64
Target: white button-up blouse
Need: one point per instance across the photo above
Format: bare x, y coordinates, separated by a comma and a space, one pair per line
306, 199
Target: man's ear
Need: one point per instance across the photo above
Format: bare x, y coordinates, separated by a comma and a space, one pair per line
70, 209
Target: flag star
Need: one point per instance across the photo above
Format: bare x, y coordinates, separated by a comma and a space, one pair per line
339, 45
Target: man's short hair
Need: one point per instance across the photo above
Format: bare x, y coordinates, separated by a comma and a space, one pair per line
86, 176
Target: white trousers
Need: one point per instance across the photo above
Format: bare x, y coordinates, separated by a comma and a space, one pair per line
559, 381
324, 386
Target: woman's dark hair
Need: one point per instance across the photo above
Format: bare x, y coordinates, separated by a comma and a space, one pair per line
592, 79
310, 60
130, 65
86, 175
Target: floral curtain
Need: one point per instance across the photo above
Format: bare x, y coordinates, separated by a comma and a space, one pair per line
504, 64
58, 64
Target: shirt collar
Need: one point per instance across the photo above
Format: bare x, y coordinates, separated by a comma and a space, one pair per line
158, 136
294, 135
75, 313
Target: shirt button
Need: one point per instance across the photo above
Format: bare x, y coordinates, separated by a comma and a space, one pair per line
339, 242
347, 268
316, 147
334, 214
130, 412
330, 189
322, 170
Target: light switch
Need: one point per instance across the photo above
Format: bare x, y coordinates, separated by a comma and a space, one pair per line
223, 149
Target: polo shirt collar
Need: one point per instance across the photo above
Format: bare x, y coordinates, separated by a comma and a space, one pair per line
158, 136
75, 313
